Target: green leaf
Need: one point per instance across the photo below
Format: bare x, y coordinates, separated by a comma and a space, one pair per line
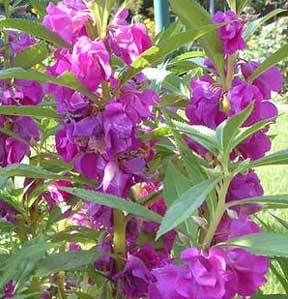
67, 79
227, 130
272, 296
200, 134
269, 62
175, 184
194, 15
253, 26
232, 4
34, 111
41, 7
268, 199
23, 170
185, 206
31, 56
245, 133
114, 202
157, 53
278, 158
66, 261
241, 4
268, 244
34, 29
186, 55
21, 266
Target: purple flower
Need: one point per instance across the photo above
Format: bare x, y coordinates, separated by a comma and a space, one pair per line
67, 18
59, 195
16, 150
233, 228
9, 290
115, 181
101, 216
135, 278
7, 212
119, 129
65, 146
22, 92
90, 62
200, 276
128, 41
243, 187
255, 147
26, 128
3, 152
20, 41
270, 80
204, 106
149, 256
245, 272
230, 34
138, 105
89, 165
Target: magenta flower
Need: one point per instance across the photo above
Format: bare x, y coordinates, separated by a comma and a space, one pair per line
67, 18
20, 41
230, 34
7, 212
270, 80
243, 187
64, 145
16, 150
90, 62
245, 272
135, 278
3, 153
88, 165
128, 41
59, 195
26, 128
119, 129
204, 106
200, 276
233, 228
138, 105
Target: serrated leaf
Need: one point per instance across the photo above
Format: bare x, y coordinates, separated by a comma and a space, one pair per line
34, 29
201, 134
66, 79
31, 56
157, 53
194, 15
278, 158
268, 244
269, 62
114, 202
175, 184
33, 111
245, 133
227, 130
185, 206
20, 266
268, 199
66, 261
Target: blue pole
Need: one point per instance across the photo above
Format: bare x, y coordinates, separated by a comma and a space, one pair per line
161, 11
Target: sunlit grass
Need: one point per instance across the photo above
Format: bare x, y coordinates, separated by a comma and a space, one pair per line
275, 181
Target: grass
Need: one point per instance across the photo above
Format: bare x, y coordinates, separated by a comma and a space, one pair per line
275, 181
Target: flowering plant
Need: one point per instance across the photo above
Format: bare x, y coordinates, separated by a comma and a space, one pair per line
135, 185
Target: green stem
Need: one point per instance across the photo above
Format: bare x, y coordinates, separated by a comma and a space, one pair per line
230, 72
119, 238
60, 285
220, 210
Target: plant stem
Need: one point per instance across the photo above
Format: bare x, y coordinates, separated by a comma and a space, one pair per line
60, 285
220, 210
230, 72
119, 237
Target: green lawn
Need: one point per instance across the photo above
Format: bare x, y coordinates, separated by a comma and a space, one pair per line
275, 181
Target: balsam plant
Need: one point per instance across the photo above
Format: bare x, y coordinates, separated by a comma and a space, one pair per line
123, 180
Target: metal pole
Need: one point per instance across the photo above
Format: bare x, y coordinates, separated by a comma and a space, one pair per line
161, 11
211, 7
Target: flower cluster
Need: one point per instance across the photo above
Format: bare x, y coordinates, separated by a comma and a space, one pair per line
24, 131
